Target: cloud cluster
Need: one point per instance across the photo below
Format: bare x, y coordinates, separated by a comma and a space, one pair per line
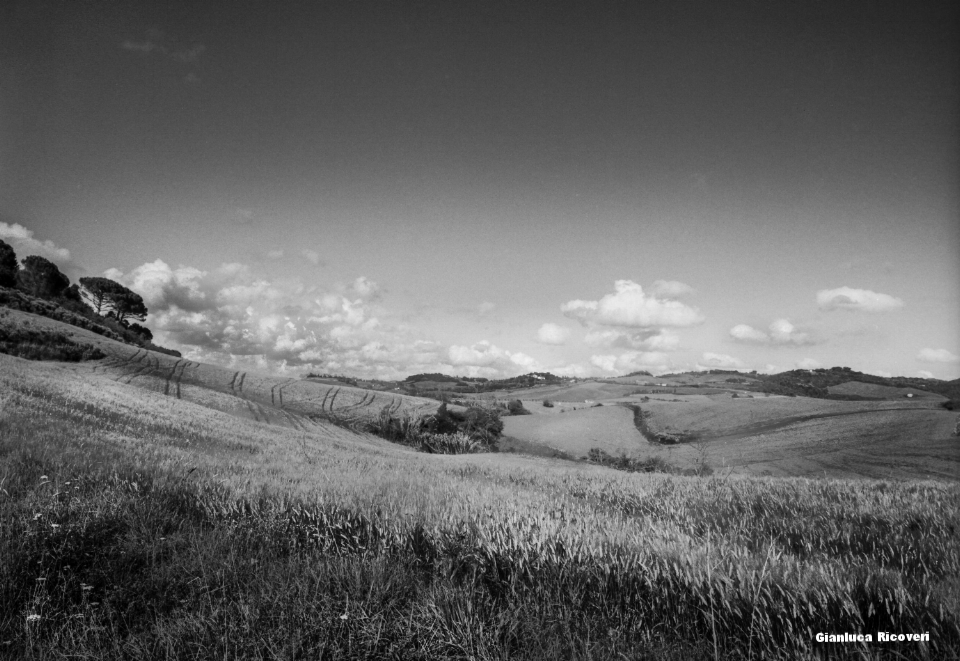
630, 307
639, 322
553, 334
856, 300
719, 361
486, 359
24, 244
632, 361
650, 340
937, 356
229, 315
780, 332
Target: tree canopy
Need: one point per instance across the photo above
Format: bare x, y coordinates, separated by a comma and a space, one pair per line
110, 297
41, 277
8, 265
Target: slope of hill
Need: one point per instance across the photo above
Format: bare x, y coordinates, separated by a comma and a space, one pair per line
289, 402
144, 514
137, 523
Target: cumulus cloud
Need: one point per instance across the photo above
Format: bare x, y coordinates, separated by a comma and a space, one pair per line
275, 254
553, 334
807, 364
670, 289
484, 358
656, 340
24, 243
631, 361
745, 333
780, 332
937, 356
858, 300
230, 315
924, 374
720, 360
630, 307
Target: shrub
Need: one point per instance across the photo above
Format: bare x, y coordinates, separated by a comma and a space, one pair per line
515, 407
41, 344
547, 404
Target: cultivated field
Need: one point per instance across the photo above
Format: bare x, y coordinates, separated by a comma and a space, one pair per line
138, 524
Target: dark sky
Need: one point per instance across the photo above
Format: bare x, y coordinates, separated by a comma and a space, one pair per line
132, 131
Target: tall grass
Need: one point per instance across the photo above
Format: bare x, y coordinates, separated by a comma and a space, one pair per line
137, 526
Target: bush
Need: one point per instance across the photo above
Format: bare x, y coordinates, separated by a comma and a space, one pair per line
42, 344
547, 404
444, 432
630, 464
515, 407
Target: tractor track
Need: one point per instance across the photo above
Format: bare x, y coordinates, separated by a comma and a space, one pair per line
173, 370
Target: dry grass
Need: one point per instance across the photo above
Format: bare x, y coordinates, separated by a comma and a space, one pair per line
141, 525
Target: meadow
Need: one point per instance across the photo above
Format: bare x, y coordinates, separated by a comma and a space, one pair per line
135, 524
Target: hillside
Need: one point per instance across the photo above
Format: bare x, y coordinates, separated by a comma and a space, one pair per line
290, 402
193, 509
183, 527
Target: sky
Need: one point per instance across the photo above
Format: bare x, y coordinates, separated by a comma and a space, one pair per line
487, 189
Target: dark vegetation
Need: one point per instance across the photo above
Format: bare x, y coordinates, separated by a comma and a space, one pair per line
630, 464
476, 429
40, 288
436, 384
515, 407
43, 344
814, 383
640, 422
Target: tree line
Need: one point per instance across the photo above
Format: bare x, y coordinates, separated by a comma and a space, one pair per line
38, 276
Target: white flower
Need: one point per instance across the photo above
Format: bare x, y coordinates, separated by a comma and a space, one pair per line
32, 617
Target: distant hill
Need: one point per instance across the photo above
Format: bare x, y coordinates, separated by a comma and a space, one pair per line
818, 383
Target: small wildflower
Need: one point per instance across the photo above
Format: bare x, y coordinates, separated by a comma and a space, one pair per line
54, 525
37, 516
343, 617
32, 617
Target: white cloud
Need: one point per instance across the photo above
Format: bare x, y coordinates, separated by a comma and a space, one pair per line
553, 334
720, 360
275, 254
631, 361
671, 289
860, 300
24, 243
808, 364
486, 359
656, 340
924, 374
745, 333
630, 307
230, 316
937, 356
311, 256
780, 332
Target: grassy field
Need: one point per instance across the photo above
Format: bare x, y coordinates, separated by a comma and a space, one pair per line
135, 524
